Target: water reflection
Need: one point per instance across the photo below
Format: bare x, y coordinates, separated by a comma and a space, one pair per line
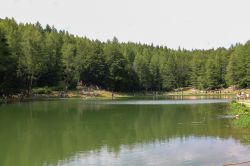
209, 151
70, 132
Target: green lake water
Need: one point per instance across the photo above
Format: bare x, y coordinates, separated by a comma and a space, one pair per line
73, 132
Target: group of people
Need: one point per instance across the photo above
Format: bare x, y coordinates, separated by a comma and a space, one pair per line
242, 95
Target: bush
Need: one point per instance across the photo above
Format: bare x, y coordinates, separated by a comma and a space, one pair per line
243, 112
42, 90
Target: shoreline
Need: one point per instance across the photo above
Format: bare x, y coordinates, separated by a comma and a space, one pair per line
183, 93
117, 96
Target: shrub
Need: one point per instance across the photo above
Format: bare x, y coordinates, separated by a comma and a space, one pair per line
243, 112
42, 90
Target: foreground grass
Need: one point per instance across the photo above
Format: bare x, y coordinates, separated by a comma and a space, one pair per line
243, 112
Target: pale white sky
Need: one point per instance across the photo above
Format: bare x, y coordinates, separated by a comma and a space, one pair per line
186, 23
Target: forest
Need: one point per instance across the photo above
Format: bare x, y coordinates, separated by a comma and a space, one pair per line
35, 56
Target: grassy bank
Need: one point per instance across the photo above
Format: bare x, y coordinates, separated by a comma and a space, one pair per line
242, 113
188, 91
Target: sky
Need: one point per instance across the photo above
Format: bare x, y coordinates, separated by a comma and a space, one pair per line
190, 24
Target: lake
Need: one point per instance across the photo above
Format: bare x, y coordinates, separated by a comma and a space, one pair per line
74, 132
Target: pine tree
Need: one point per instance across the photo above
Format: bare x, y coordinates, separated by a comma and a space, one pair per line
168, 74
7, 66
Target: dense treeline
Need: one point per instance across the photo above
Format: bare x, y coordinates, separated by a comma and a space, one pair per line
33, 56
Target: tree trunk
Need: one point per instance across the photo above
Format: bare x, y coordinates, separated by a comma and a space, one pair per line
30, 84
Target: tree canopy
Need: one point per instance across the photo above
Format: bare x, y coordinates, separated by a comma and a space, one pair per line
36, 56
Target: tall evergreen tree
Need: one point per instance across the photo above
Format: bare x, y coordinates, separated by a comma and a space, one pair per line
7, 67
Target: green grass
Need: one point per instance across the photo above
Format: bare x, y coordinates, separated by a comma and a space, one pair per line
244, 113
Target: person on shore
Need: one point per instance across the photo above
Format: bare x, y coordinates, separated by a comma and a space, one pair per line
62, 94
238, 96
247, 96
